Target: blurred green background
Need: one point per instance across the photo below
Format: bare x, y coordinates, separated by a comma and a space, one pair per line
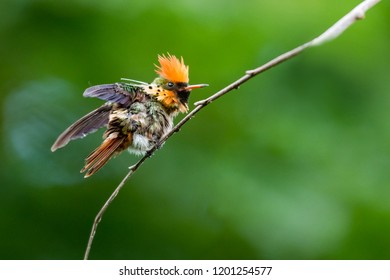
293, 165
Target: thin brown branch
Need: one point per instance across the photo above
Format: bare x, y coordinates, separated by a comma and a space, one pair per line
333, 32
99, 215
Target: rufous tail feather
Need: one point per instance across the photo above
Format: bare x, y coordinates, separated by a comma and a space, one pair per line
99, 157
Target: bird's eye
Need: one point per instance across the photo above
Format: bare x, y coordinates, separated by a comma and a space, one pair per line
170, 84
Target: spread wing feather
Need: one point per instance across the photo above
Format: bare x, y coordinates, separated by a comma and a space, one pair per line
118, 92
87, 124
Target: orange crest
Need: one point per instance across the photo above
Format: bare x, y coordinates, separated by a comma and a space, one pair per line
172, 69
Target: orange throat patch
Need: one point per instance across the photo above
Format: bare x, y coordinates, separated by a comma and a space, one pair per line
169, 99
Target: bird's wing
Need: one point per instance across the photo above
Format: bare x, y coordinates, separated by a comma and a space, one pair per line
122, 93
87, 124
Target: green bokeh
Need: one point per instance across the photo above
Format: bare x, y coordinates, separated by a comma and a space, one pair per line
293, 165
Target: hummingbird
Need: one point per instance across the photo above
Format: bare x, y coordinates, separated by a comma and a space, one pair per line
136, 114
